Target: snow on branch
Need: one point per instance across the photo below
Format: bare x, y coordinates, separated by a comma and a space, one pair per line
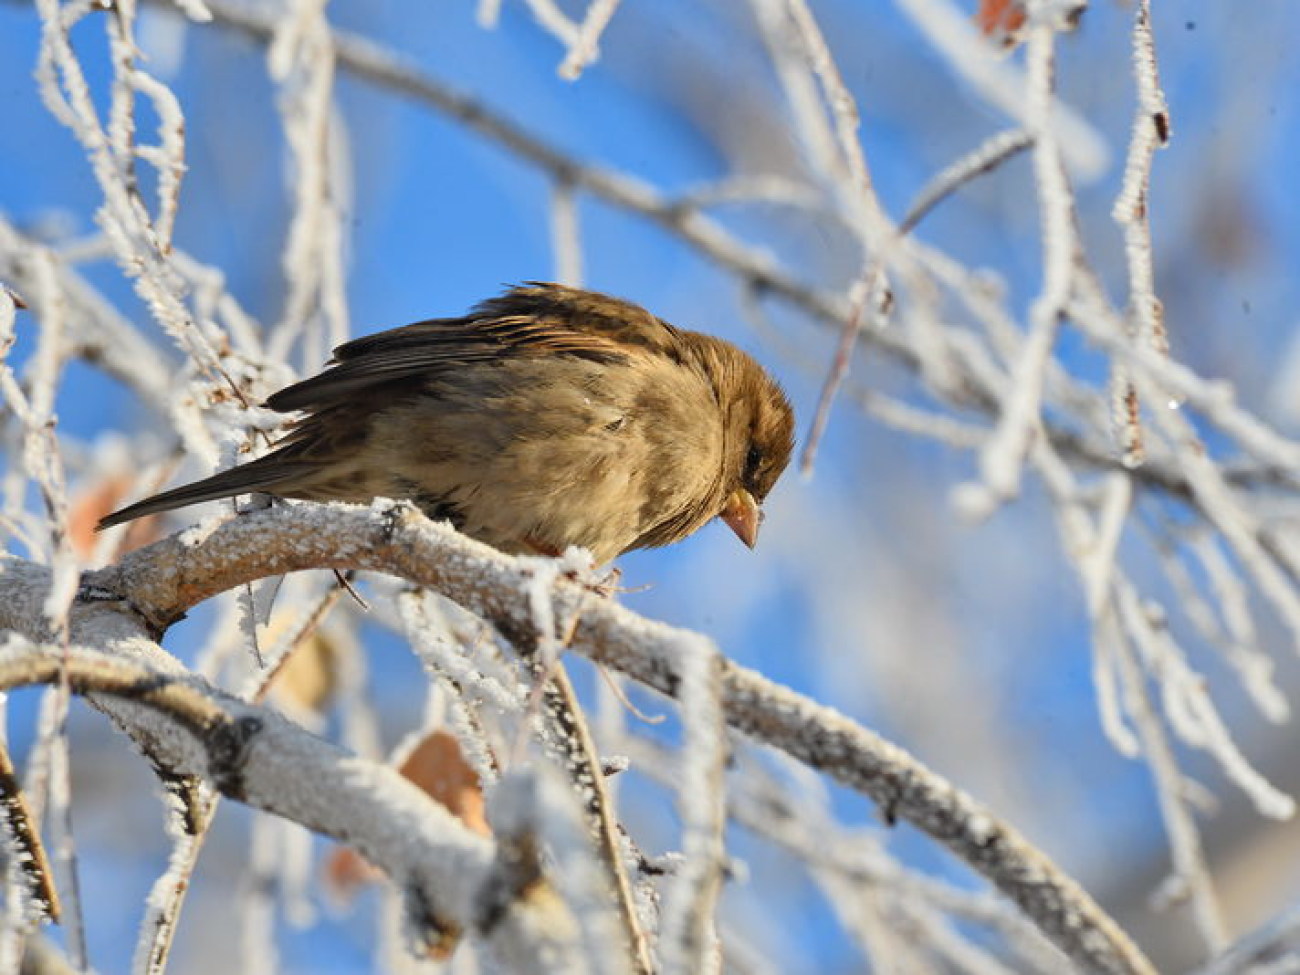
158, 583
252, 754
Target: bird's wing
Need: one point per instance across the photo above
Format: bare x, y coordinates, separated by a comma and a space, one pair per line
574, 317
532, 319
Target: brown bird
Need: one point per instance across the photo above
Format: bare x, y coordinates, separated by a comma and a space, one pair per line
546, 417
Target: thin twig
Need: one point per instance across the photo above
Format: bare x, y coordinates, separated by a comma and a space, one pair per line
984, 158
585, 46
28, 852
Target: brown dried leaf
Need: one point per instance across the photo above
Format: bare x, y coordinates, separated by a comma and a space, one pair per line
437, 766
309, 677
1001, 20
346, 871
97, 499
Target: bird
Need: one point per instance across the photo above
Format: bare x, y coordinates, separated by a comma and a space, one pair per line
547, 417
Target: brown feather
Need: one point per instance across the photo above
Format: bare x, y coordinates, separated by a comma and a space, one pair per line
547, 417
536, 319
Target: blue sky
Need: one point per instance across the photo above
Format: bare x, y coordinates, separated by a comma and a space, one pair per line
868, 586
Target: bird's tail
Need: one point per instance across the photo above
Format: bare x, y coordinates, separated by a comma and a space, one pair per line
269, 474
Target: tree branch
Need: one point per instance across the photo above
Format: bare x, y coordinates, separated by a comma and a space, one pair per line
450, 876
164, 580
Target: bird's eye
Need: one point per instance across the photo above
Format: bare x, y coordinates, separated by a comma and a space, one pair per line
753, 459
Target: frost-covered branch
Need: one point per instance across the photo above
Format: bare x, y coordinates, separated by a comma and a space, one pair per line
252, 754
159, 583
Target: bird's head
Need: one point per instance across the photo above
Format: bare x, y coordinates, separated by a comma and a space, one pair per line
758, 434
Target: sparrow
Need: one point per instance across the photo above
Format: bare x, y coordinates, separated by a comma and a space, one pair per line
547, 417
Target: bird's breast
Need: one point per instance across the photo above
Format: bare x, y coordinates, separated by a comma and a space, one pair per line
551, 452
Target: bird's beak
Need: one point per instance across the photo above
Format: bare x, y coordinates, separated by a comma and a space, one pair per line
742, 516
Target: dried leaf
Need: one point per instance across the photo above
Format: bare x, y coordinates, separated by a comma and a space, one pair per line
346, 872
99, 498
309, 676
437, 766
1001, 21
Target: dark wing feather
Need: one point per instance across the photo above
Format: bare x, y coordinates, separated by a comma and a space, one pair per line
265, 474
532, 319
557, 309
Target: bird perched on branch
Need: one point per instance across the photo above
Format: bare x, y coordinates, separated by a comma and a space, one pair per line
547, 417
